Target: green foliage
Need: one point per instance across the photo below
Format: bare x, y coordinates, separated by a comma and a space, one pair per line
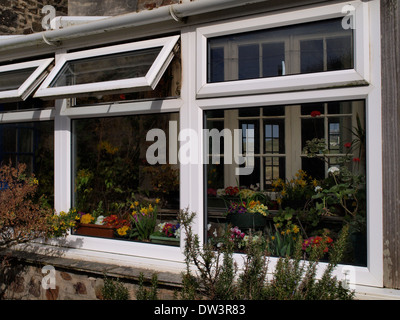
144, 293
216, 274
144, 220
114, 290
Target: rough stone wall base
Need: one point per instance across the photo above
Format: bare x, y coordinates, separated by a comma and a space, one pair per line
74, 280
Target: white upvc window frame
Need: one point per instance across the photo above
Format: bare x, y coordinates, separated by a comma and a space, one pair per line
357, 76
147, 82
326, 87
30, 84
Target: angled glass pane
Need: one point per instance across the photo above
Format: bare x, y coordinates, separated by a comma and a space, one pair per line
133, 64
125, 68
12, 80
17, 81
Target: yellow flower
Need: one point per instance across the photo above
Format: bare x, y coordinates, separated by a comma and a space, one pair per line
136, 203
123, 230
87, 218
157, 201
295, 229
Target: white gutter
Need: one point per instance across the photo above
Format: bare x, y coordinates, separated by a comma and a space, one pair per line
165, 13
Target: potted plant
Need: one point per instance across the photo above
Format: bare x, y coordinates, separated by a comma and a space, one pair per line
246, 209
144, 220
101, 226
167, 233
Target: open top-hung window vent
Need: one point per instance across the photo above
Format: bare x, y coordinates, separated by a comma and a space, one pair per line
127, 67
19, 80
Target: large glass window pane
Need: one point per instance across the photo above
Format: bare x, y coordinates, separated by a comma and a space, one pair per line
116, 178
31, 143
311, 176
310, 47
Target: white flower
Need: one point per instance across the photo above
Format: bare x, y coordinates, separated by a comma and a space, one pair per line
333, 170
318, 189
220, 192
99, 220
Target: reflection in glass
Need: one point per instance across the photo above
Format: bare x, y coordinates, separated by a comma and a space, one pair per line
31, 143
304, 48
113, 170
12, 80
106, 68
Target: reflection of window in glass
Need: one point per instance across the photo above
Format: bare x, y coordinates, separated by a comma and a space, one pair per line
281, 132
168, 86
280, 137
31, 143
112, 170
304, 48
129, 67
333, 122
19, 80
12, 80
106, 68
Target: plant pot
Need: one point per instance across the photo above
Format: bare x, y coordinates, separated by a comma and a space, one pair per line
245, 221
94, 230
172, 241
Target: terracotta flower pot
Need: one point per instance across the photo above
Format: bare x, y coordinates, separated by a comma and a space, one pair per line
94, 230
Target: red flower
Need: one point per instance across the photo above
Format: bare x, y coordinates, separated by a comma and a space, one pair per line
231, 191
347, 145
356, 159
315, 113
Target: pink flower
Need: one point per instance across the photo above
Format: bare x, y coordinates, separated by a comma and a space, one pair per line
315, 113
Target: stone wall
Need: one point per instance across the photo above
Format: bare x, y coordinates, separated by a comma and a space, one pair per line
112, 7
73, 279
25, 16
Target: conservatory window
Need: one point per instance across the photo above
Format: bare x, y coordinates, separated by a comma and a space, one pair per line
311, 47
117, 186
295, 149
286, 52
31, 143
18, 81
116, 69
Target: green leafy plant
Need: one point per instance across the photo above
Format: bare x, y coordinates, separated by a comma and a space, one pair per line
114, 290
215, 274
144, 293
144, 219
